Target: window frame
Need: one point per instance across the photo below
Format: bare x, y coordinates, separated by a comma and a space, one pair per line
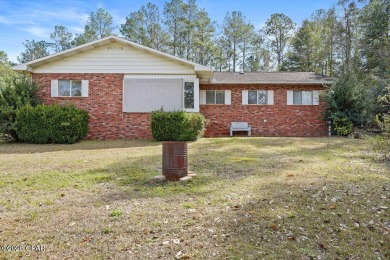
70, 88
302, 94
184, 95
257, 97
196, 93
215, 97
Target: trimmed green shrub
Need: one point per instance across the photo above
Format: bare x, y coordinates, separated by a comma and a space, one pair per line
51, 124
350, 97
15, 93
177, 125
342, 125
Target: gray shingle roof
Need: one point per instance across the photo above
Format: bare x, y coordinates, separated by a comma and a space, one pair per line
270, 78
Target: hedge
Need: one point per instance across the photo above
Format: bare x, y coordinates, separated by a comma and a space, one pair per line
51, 124
177, 125
15, 93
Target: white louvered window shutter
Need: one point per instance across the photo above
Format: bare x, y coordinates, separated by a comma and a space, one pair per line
228, 97
290, 97
202, 97
245, 97
316, 97
54, 88
84, 88
270, 100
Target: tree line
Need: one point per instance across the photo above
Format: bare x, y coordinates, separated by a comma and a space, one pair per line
331, 41
349, 41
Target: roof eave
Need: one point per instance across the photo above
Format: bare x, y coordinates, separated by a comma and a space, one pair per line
29, 66
22, 68
272, 82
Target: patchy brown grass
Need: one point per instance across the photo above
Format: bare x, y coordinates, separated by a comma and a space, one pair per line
253, 198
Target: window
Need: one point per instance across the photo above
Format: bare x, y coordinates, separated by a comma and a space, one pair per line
302, 97
70, 88
215, 97
212, 97
189, 91
259, 97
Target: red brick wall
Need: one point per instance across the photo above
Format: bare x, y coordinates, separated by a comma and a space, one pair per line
282, 120
104, 104
107, 121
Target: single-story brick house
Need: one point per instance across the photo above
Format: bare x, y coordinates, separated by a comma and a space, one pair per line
120, 82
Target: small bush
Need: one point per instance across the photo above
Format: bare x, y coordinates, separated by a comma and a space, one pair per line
342, 125
382, 141
51, 124
350, 97
177, 126
15, 93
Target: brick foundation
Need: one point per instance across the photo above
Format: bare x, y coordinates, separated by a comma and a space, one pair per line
107, 121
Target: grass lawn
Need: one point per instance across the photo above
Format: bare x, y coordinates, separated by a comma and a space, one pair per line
253, 198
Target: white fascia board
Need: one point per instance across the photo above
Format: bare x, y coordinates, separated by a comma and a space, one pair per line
273, 83
21, 67
63, 54
102, 42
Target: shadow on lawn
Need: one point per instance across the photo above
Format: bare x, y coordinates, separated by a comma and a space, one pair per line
215, 169
25, 148
302, 222
278, 221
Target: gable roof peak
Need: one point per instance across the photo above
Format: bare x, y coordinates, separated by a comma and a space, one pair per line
101, 42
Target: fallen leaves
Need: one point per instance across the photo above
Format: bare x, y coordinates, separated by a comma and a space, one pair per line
274, 227
181, 255
322, 246
291, 237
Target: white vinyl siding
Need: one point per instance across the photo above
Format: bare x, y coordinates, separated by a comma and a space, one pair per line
257, 97
116, 58
303, 97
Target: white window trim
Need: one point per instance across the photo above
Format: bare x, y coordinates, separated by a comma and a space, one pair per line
183, 80
70, 87
315, 98
196, 96
55, 88
270, 97
227, 96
